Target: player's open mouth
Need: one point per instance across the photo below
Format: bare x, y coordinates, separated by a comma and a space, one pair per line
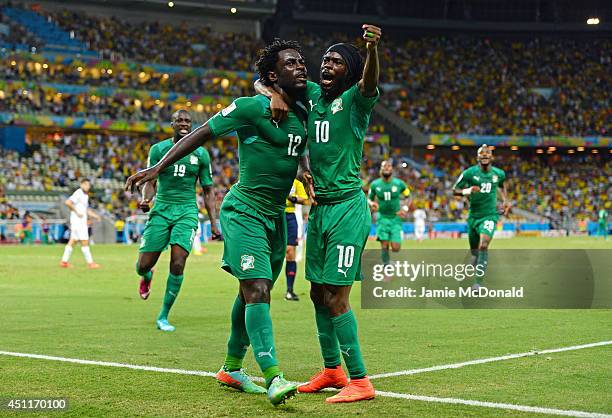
301, 77
184, 131
326, 78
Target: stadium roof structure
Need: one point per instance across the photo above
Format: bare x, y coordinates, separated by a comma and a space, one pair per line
493, 15
245, 8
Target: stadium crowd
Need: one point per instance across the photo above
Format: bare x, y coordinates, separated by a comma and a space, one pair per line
125, 75
156, 42
443, 84
552, 186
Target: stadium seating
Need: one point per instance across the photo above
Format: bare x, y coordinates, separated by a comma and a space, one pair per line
49, 33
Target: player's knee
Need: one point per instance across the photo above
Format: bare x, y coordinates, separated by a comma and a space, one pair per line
177, 267
290, 253
395, 248
256, 291
337, 305
484, 245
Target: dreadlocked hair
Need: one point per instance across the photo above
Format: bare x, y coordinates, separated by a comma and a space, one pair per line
267, 57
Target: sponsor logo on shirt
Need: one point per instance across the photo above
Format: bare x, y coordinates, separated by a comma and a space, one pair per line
193, 159
495, 178
228, 109
394, 189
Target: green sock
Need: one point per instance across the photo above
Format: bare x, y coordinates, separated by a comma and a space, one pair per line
328, 341
270, 373
259, 327
172, 289
232, 363
238, 341
384, 254
346, 330
147, 275
483, 261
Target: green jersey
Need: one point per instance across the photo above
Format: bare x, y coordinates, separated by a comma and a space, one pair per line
388, 194
176, 184
336, 130
483, 203
603, 216
268, 152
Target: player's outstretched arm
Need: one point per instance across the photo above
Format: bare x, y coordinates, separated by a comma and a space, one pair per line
371, 69
185, 146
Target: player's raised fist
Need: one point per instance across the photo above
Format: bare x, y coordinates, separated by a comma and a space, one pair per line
371, 34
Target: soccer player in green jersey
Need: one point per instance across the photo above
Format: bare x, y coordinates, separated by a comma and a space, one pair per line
602, 223
480, 184
339, 225
174, 218
252, 214
384, 197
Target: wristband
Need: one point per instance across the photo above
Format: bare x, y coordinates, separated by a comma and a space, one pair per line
466, 192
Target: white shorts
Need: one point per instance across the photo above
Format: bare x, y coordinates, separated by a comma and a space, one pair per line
419, 227
79, 232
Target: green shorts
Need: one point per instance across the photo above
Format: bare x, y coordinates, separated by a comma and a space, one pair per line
337, 234
254, 244
389, 229
170, 224
476, 226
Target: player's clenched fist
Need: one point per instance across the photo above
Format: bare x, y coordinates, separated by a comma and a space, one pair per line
371, 35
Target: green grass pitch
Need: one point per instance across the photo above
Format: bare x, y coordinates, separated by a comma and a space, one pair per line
98, 315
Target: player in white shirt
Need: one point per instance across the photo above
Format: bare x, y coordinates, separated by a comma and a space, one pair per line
78, 204
419, 223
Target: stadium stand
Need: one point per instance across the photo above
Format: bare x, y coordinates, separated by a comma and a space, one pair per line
141, 73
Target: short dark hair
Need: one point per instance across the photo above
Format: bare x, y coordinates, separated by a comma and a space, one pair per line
267, 57
84, 179
175, 114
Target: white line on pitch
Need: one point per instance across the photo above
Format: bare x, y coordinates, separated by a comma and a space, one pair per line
513, 407
488, 360
496, 405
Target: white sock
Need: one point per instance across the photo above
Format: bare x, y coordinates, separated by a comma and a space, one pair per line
87, 254
67, 253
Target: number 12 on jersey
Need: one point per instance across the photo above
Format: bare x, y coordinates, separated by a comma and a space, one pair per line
294, 143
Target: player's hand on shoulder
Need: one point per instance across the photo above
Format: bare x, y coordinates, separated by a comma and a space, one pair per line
278, 107
371, 35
